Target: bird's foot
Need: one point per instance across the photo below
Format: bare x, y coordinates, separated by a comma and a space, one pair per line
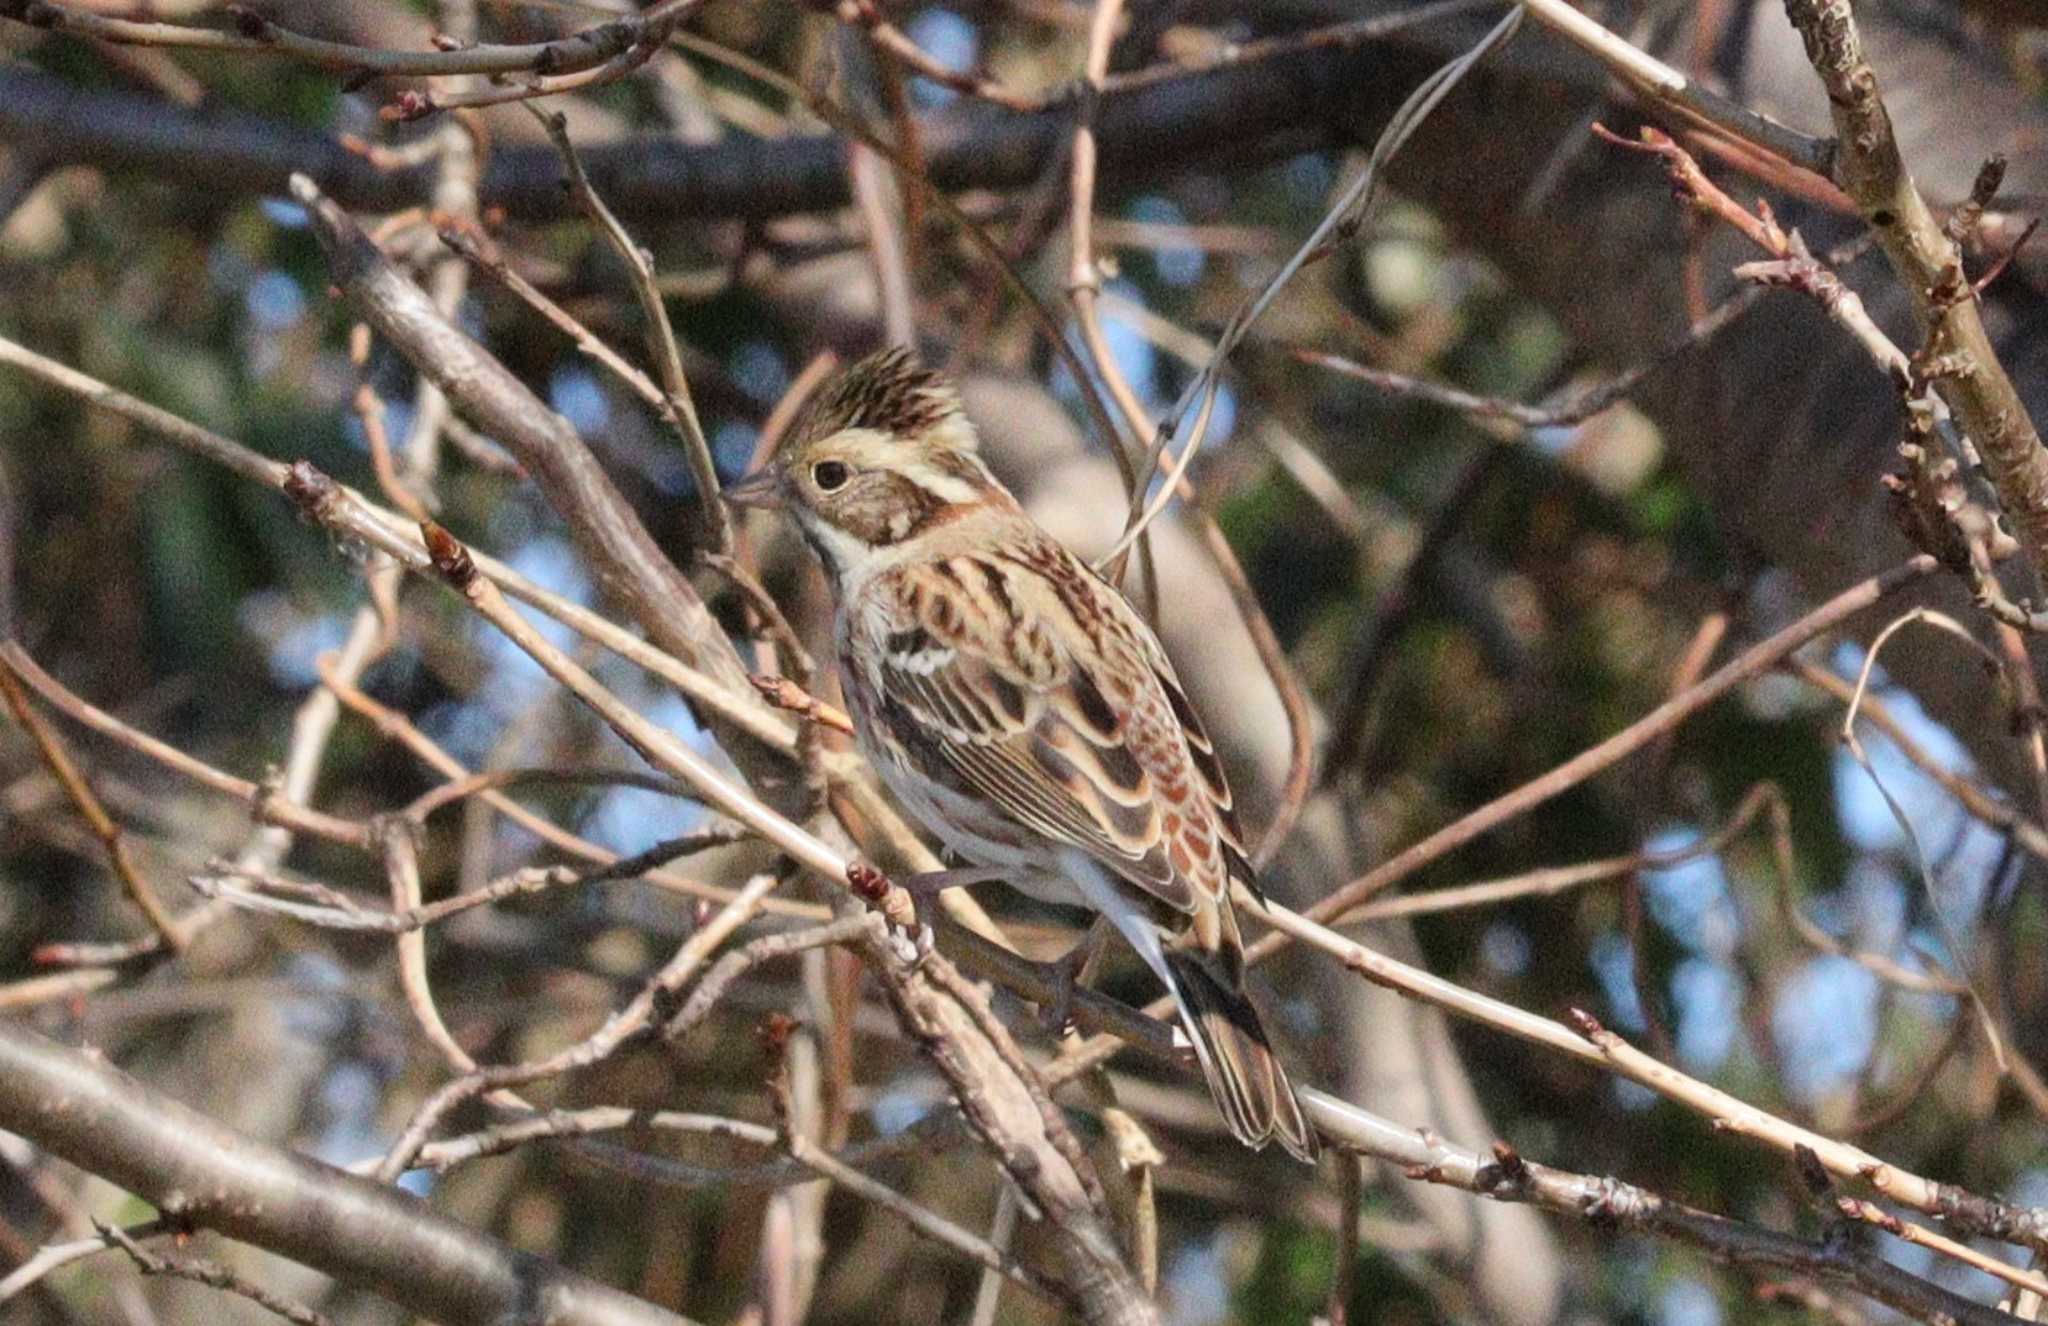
1069, 972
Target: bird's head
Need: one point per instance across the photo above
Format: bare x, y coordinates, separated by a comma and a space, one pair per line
883, 454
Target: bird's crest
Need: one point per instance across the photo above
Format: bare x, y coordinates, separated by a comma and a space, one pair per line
890, 392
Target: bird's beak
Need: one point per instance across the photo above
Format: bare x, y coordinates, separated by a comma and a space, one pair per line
762, 488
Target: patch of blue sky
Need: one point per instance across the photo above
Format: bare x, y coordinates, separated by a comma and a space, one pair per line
1177, 264
551, 563
464, 728
1134, 355
1691, 900
1505, 949
292, 639
574, 393
1969, 856
274, 300
1612, 958
732, 447
952, 41
897, 1108
1688, 1302
1824, 1019
283, 213
322, 1011
515, 679
1222, 416
349, 1096
761, 371
1952, 1275
1308, 176
398, 417
1195, 1287
1708, 1000
2029, 1188
1866, 820
633, 819
1874, 910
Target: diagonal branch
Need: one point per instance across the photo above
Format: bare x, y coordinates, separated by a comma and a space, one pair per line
629, 564
74, 1104
1930, 266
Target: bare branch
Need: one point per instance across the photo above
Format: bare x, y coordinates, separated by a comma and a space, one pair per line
209, 1273
103, 826
197, 1170
621, 552
678, 407
1931, 268
1609, 1203
1753, 661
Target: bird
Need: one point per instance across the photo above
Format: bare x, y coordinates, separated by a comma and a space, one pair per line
1022, 710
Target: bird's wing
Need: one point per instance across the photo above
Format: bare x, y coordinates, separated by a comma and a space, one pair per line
1018, 680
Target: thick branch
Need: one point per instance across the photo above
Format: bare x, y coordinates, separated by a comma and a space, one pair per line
632, 568
1238, 113
76, 1105
1971, 378
1611, 1204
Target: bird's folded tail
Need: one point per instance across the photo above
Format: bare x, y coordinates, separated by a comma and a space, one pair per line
1250, 1086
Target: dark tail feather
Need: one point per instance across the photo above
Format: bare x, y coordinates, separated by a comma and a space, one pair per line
1250, 1086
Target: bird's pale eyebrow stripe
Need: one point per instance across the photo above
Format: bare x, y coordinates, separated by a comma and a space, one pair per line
947, 488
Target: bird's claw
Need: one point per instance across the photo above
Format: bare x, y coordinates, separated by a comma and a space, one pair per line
1057, 1014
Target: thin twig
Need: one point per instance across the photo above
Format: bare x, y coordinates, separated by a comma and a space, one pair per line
1666, 86
681, 409
1957, 953
864, 14
1337, 225
476, 248
988, 1294
204, 1272
1610, 1204
1350, 1203
51, 1256
338, 912
256, 34
267, 808
808, 1154
1930, 267
401, 729
77, 787
365, 1234
1675, 710
2027, 833
624, 1026
1870, 1213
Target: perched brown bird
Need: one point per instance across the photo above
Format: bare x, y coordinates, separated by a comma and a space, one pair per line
1021, 708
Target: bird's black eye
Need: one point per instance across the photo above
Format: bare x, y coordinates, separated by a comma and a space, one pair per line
830, 475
